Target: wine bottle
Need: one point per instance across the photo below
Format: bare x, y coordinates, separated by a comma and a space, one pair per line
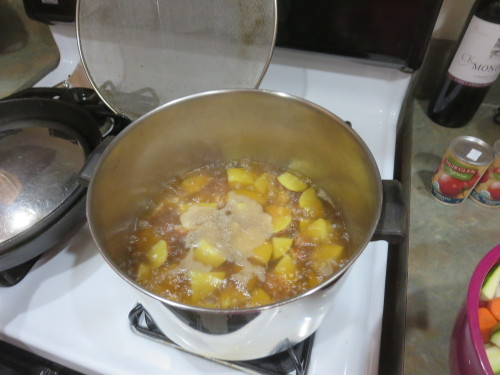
472, 70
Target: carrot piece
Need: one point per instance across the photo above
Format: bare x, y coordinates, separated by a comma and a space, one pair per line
494, 307
486, 322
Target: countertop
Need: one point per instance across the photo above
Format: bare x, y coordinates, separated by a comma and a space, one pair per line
445, 242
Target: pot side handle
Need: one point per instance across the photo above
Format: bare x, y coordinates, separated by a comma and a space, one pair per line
392, 225
88, 169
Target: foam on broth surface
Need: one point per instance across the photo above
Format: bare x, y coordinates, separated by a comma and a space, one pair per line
235, 236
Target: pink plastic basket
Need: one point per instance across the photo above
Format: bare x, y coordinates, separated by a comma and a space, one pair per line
467, 354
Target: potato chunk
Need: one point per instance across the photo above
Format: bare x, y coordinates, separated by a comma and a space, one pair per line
328, 251
208, 254
286, 267
310, 203
319, 230
263, 252
194, 184
281, 222
303, 224
325, 258
205, 283
238, 177
281, 217
143, 272
158, 254
262, 183
281, 245
231, 297
292, 182
259, 298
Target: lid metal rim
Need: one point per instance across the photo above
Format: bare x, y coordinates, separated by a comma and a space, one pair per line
116, 110
486, 148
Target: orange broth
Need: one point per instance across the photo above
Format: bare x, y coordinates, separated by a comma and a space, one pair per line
235, 236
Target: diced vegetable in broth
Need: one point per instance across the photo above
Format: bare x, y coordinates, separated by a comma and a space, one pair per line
260, 298
311, 203
263, 252
236, 236
262, 183
319, 230
208, 254
292, 182
281, 245
194, 184
281, 217
239, 177
205, 283
158, 254
286, 267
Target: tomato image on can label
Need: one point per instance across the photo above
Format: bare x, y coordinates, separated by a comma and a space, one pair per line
487, 191
449, 186
453, 181
459, 170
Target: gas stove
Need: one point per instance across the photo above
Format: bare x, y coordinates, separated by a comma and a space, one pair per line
73, 309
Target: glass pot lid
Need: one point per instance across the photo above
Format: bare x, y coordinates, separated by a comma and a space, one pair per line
140, 54
39, 165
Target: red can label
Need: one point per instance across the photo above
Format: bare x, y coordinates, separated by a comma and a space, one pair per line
454, 179
487, 191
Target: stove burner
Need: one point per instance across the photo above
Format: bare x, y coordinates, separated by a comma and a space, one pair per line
294, 361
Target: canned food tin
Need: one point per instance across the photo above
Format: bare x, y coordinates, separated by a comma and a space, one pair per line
460, 169
487, 190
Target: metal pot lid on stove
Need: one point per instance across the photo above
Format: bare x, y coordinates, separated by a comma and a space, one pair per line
141, 54
39, 163
44, 143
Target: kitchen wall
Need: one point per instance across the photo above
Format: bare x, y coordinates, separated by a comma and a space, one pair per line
451, 19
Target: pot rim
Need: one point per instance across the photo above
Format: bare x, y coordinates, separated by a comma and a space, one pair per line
325, 284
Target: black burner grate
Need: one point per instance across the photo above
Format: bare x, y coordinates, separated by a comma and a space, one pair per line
294, 361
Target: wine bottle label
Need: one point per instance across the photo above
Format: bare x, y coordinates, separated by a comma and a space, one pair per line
477, 60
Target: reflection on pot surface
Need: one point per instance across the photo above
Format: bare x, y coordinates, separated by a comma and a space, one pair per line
39, 166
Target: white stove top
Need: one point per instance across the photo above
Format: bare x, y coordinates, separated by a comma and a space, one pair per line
72, 308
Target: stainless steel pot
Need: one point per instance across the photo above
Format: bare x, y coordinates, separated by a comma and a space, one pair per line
220, 126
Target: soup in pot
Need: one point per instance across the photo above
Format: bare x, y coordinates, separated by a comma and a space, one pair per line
238, 235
